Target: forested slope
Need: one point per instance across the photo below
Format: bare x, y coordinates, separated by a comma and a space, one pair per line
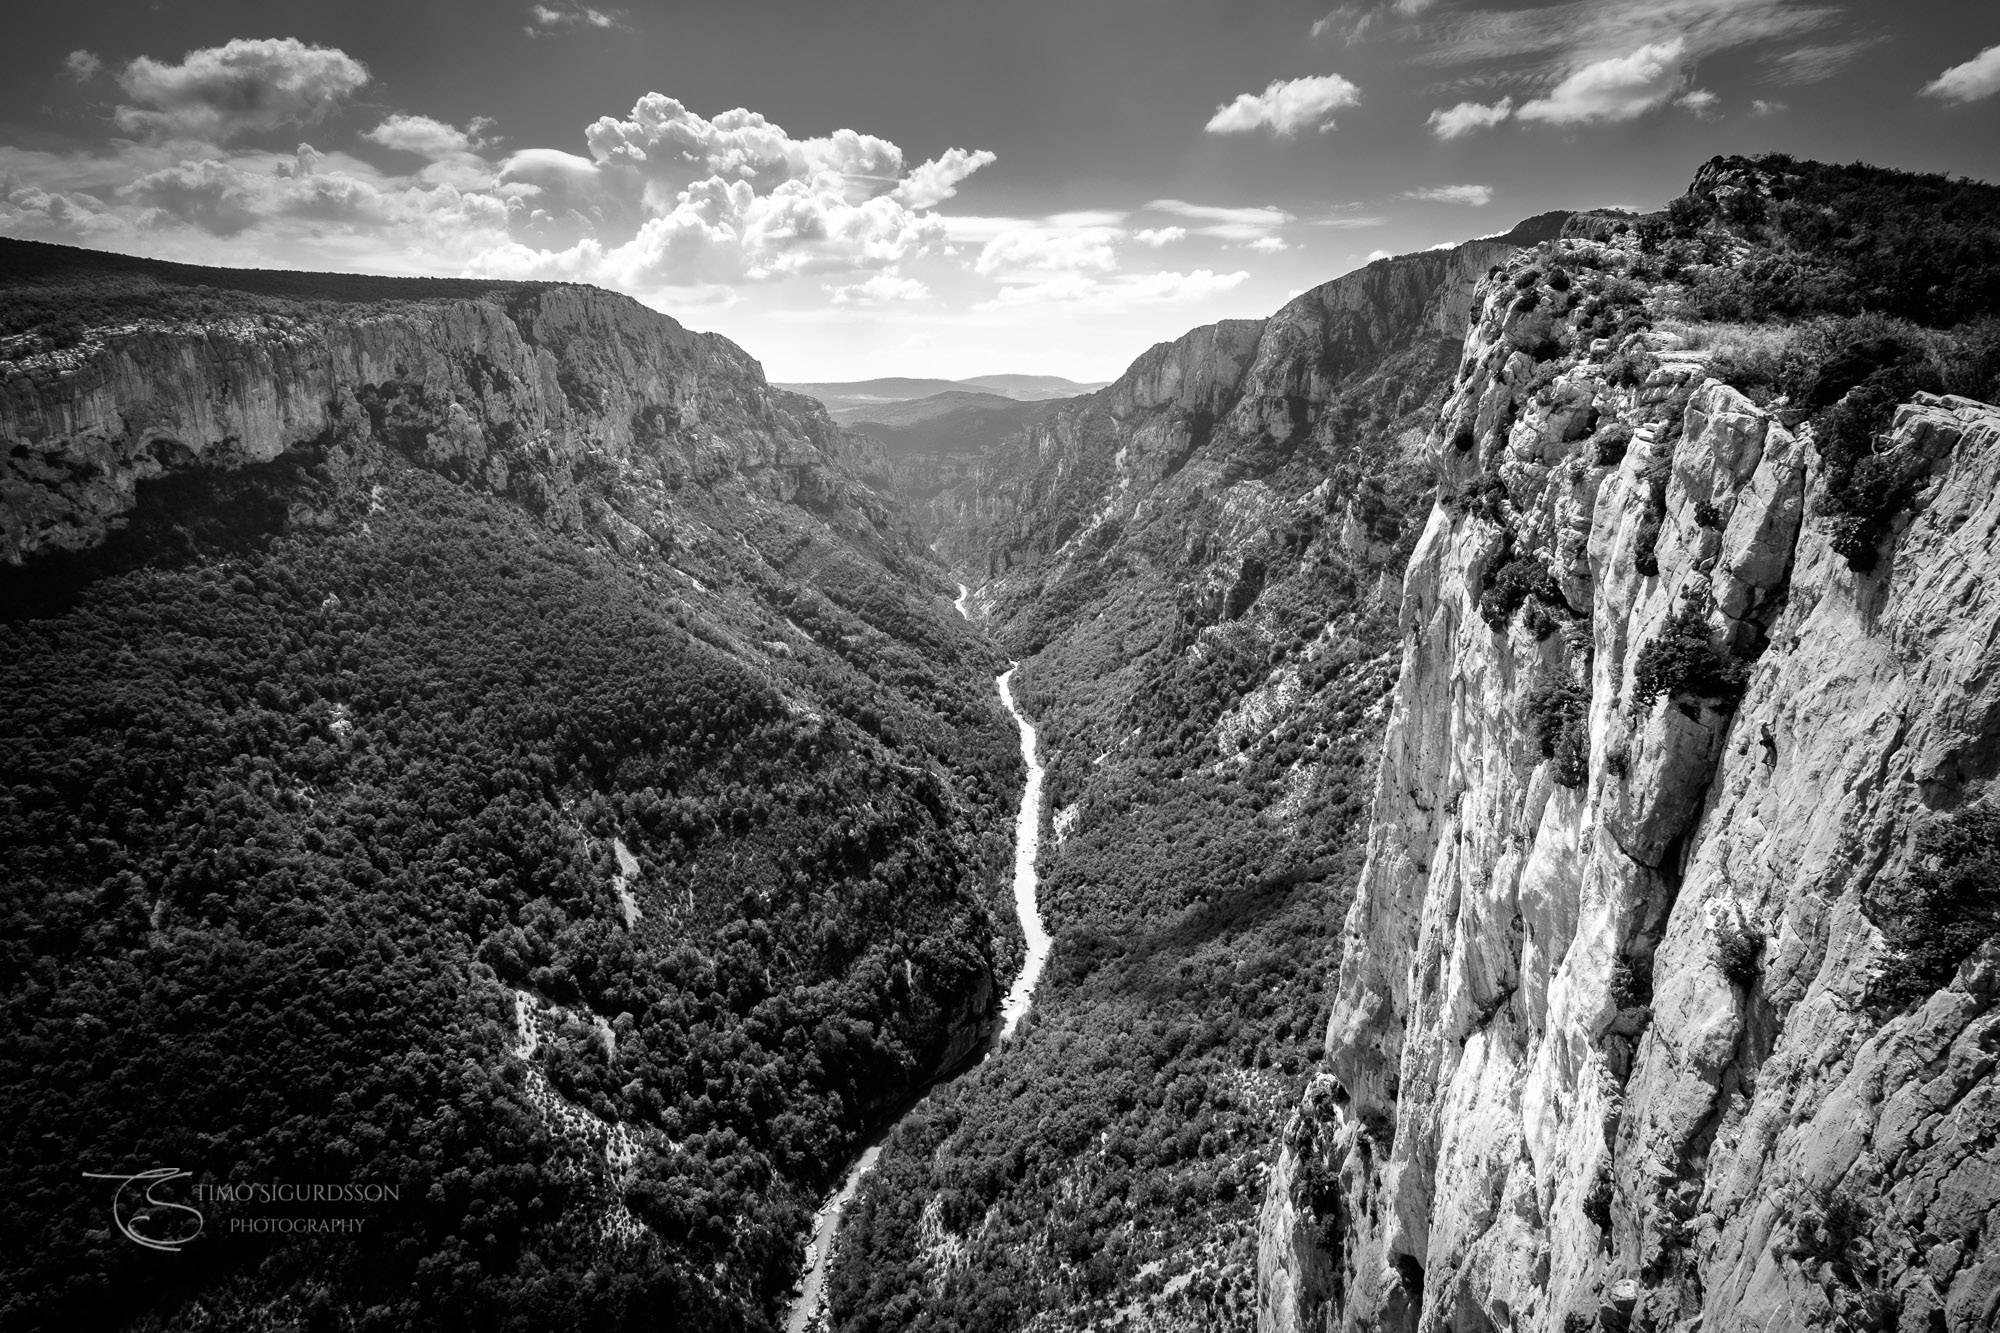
483, 743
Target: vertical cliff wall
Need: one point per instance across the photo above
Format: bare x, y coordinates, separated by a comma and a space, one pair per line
1631, 1029
585, 406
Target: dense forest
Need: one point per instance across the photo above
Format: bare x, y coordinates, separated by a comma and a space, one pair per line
320, 798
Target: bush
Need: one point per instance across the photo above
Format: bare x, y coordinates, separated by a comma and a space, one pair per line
1618, 762
1608, 446
1944, 906
1831, 1229
1538, 335
1509, 584
1681, 662
1557, 710
1739, 947
1630, 369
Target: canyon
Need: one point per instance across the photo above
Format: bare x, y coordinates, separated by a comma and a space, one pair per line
1500, 844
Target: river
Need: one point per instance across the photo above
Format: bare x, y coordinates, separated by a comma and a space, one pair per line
808, 1310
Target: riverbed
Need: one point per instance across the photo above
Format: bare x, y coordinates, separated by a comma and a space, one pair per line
808, 1310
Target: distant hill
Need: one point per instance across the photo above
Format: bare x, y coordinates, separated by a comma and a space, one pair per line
1031, 388
954, 422
839, 397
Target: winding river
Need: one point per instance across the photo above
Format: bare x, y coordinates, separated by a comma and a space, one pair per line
808, 1311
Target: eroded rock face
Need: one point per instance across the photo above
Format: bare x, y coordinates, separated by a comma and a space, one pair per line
545, 395
1554, 1101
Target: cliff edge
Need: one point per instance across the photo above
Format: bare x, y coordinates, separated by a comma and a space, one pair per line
1662, 1004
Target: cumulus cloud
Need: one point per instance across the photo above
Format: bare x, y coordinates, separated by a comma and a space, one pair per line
661, 201
663, 140
1764, 106
421, 135
1478, 196
1450, 122
82, 65
1287, 106
245, 86
1159, 236
1977, 78
1698, 100
1618, 88
1269, 245
725, 200
882, 289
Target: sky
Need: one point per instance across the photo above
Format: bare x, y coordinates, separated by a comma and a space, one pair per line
938, 187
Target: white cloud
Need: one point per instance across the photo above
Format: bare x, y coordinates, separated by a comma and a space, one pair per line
933, 182
663, 140
1698, 100
1765, 107
546, 19
1478, 196
245, 86
881, 289
1353, 21
82, 65
1243, 225
1038, 248
1286, 106
1077, 292
665, 201
1977, 78
1617, 88
1269, 245
1577, 33
421, 135
1450, 122
1811, 64
1159, 236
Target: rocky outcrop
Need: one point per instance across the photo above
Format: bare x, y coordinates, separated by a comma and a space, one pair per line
1609, 1047
585, 406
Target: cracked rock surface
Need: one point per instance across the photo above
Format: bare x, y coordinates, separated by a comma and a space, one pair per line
1552, 1100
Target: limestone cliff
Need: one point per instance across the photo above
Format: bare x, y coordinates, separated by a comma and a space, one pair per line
1228, 402
585, 406
1612, 1045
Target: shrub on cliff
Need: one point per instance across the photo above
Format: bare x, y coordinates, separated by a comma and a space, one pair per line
1945, 905
1682, 662
1557, 710
1510, 584
1538, 334
1739, 948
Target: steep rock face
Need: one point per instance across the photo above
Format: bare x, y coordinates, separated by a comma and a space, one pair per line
549, 395
1607, 1049
1243, 421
